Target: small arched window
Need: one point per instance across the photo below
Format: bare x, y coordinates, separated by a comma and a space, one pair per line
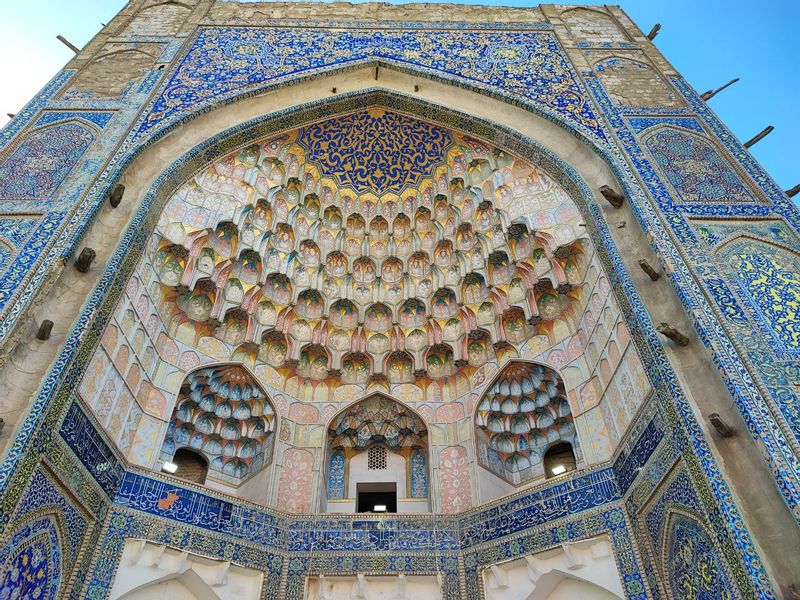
559, 459
192, 465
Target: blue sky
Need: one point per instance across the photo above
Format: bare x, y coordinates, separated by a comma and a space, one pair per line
708, 41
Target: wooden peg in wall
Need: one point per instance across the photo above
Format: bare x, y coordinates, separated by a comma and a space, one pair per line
614, 198
711, 93
115, 197
676, 336
654, 32
794, 191
651, 272
45, 328
721, 426
754, 140
85, 260
68, 44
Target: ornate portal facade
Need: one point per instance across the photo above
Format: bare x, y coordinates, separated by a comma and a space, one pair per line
322, 301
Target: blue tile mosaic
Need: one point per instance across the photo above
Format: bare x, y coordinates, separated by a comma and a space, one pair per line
91, 449
98, 118
695, 169
42, 160
683, 545
628, 464
336, 475
30, 561
41, 493
227, 61
640, 124
234, 62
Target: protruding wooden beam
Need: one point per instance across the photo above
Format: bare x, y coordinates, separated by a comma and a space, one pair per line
11, 115
764, 133
651, 272
711, 93
676, 336
416, 88
794, 191
614, 198
85, 260
45, 328
654, 32
377, 72
68, 44
721, 426
115, 197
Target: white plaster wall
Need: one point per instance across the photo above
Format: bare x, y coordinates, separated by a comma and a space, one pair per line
365, 587
395, 472
583, 570
150, 571
490, 486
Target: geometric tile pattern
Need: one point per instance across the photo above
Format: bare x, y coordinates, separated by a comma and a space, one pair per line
223, 61
40, 163
695, 169
385, 152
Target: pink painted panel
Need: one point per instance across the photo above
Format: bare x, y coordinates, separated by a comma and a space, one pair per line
294, 487
454, 475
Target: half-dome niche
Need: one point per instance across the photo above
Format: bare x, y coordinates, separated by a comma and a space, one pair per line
377, 446
223, 415
340, 272
521, 416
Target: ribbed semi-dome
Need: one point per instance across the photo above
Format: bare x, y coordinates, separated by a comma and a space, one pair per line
520, 415
371, 247
224, 414
377, 419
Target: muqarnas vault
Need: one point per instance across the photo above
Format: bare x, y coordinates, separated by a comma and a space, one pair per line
324, 301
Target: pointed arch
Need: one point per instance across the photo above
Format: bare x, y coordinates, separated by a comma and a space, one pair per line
522, 413
111, 75
766, 274
632, 82
677, 152
224, 414
376, 422
690, 559
31, 559
37, 165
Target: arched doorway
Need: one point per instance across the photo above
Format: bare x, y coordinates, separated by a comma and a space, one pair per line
377, 459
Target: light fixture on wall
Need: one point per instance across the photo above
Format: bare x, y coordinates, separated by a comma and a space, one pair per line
379, 508
169, 467
558, 469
